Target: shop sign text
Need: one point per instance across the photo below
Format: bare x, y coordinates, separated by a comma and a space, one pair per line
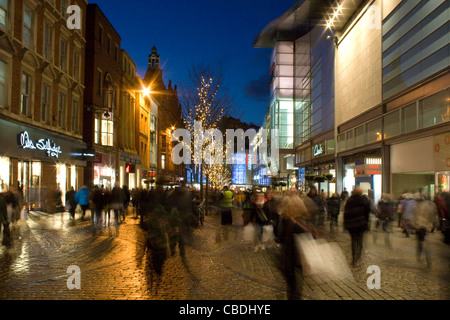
46, 145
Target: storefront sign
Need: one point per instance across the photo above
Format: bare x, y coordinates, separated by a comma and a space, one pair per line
318, 150
46, 145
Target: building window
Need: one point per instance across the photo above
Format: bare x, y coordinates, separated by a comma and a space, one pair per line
48, 38
45, 106
2, 84
61, 109
3, 13
27, 27
64, 6
163, 141
107, 132
163, 161
99, 82
108, 45
63, 56
96, 129
100, 35
75, 116
26, 95
76, 65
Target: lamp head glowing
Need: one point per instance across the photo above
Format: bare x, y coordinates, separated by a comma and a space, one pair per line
146, 91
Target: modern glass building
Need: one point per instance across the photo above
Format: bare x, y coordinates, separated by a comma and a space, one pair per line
371, 87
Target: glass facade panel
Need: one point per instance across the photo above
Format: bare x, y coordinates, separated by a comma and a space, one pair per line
373, 131
434, 110
409, 118
392, 126
359, 136
416, 43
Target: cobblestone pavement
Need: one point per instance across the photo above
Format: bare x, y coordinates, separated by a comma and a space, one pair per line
218, 265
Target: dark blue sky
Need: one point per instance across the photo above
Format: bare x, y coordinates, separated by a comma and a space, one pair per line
212, 32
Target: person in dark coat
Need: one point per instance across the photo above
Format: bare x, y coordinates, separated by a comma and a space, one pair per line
97, 200
319, 215
126, 200
356, 221
387, 208
71, 204
334, 208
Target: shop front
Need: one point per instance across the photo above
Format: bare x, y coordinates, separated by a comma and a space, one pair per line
39, 163
427, 171
105, 171
364, 170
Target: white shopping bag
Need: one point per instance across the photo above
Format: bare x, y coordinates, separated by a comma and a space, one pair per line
267, 234
249, 233
322, 260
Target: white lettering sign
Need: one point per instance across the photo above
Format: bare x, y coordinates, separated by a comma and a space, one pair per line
46, 145
318, 150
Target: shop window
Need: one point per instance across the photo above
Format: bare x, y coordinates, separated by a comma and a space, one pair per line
2, 84
434, 110
392, 124
409, 118
4, 173
3, 13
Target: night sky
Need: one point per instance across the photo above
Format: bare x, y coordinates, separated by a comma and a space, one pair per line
219, 33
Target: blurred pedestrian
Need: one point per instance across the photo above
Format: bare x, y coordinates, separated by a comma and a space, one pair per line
181, 219
96, 197
4, 221
356, 222
135, 201
333, 209
294, 214
107, 202
409, 208
71, 204
259, 218
319, 215
387, 207
58, 199
247, 208
423, 222
126, 200
226, 203
344, 198
117, 201
82, 198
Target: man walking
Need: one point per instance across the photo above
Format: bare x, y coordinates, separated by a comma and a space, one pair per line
356, 221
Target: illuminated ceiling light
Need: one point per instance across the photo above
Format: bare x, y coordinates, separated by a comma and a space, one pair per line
339, 8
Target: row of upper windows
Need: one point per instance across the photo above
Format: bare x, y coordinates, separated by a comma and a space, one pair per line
29, 37
44, 115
